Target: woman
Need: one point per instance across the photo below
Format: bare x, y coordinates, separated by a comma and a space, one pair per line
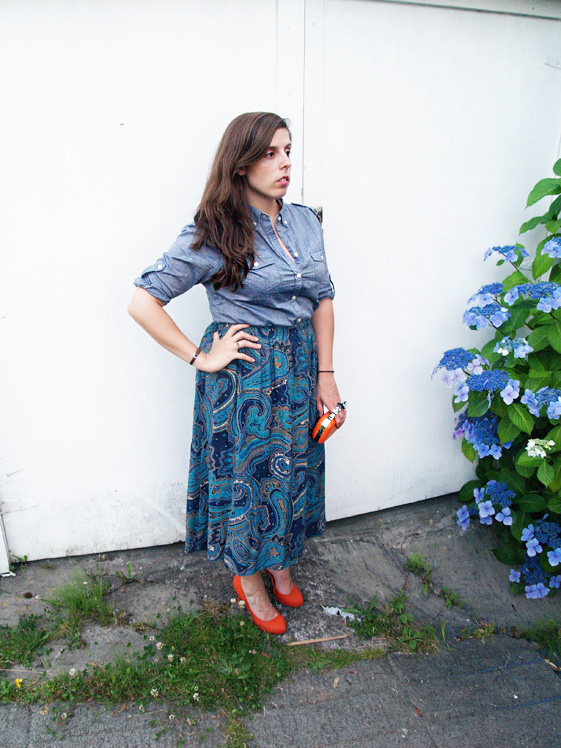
265, 367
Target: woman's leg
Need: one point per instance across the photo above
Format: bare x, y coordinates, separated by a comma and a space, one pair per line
257, 597
283, 580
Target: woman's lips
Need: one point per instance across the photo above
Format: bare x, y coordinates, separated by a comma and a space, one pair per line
283, 181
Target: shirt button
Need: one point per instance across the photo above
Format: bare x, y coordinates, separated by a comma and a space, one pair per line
299, 319
255, 264
254, 223
293, 298
279, 218
298, 275
285, 223
296, 254
160, 267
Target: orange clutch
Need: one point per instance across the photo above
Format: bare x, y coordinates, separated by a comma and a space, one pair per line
326, 424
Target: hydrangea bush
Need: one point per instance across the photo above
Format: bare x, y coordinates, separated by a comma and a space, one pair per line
507, 397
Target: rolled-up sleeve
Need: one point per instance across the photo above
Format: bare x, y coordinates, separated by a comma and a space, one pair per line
178, 270
326, 289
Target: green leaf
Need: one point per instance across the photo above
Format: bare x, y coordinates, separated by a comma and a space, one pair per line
478, 404
520, 417
555, 275
525, 471
532, 502
557, 167
554, 335
546, 473
543, 188
555, 484
499, 407
465, 494
456, 406
540, 382
541, 264
514, 279
507, 431
554, 505
553, 227
555, 207
468, 450
513, 480
521, 520
538, 338
525, 460
535, 363
533, 222
518, 316
555, 435
506, 554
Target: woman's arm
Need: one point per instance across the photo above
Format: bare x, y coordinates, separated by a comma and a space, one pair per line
150, 314
327, 393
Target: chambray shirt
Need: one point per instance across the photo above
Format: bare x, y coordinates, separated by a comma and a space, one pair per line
278, 290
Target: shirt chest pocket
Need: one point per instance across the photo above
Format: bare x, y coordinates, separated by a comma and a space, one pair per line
262, 279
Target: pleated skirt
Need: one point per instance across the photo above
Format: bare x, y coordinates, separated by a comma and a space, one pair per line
256, 486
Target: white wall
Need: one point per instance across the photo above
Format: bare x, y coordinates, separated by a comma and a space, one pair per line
434, 126
112, 113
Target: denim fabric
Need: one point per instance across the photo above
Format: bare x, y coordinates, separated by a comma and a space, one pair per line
278, 290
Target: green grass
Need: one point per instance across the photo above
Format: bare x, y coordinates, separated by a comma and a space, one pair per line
417, 565
547, 635
394, 624
77, 602
23, 643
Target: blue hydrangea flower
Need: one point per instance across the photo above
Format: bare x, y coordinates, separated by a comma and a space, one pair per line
476, 366
554, 557
504, 516
533, 547
499, 492
481, 317
511, 296
536, 591
453, 378
463, 517
521, 348
511, 391
486, 295
488, 381
532, 571
514, 576
510, 253
455, 358
486, 511
478, 494
481, 432
527, 533
548, 533
552, 247
461, 393
555, 582
530, 401
554, 410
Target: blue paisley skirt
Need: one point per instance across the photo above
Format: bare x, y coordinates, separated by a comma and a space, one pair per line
256, 479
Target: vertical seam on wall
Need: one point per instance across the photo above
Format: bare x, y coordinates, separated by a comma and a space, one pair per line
304, 63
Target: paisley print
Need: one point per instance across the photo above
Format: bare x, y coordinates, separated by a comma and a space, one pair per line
256, 479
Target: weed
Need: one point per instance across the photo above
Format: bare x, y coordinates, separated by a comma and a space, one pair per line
451, 598
127, 576
19, 561
236, 734
547, 635
417, 565
78, 602
394, 624
22, 643
315, 659
482, 632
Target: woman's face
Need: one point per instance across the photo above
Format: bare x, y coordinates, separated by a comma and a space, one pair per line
268, 178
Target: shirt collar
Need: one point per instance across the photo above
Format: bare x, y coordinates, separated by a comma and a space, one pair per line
256, 214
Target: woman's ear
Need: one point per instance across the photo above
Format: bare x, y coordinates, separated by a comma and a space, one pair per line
241, 172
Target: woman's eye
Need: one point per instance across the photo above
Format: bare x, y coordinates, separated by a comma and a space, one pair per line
269, 154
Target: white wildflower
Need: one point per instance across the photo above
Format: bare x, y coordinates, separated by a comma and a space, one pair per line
170, 657
72, 672
154, 692
159, 645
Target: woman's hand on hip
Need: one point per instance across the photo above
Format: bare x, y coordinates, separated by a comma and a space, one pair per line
327, 397
227, 348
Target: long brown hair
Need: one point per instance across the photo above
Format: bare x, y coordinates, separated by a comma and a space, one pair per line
223, 219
